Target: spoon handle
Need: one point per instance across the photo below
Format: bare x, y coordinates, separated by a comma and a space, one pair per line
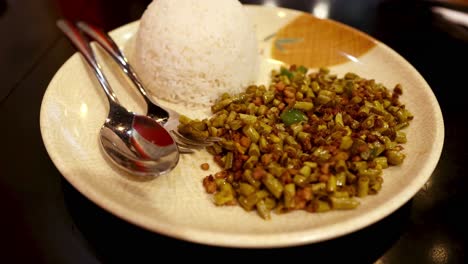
78, 40
106, 42
154, 110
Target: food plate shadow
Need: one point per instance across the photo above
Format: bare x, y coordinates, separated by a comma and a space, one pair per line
114, 240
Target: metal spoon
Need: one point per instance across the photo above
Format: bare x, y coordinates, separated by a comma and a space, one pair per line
169, 118
136, 143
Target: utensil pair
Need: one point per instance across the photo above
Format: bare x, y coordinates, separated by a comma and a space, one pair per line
135, 143
169, 118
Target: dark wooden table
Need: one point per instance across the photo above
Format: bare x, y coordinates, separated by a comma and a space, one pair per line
45, 220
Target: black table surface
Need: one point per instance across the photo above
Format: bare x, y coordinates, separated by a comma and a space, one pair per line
44, 219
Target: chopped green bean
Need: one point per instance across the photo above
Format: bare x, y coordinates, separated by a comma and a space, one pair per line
273, 185
363, 186
250, 131
395, 157
306, 106
263, 210
320, 206
289, 193
343, 203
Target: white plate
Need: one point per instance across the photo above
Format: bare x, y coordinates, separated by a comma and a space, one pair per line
74, 107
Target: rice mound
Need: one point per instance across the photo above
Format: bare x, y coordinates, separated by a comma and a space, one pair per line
192, 51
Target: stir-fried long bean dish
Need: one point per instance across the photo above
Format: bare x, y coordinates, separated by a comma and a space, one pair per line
309, 141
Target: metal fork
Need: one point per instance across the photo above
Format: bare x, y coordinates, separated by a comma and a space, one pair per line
169, 118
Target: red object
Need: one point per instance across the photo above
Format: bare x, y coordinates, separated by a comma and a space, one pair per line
155, 134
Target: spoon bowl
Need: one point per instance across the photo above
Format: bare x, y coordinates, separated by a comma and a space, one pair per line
135, 143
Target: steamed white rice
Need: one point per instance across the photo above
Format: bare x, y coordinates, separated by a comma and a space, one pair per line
191, 51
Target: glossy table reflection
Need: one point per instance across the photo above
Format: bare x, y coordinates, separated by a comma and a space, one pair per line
46, 220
